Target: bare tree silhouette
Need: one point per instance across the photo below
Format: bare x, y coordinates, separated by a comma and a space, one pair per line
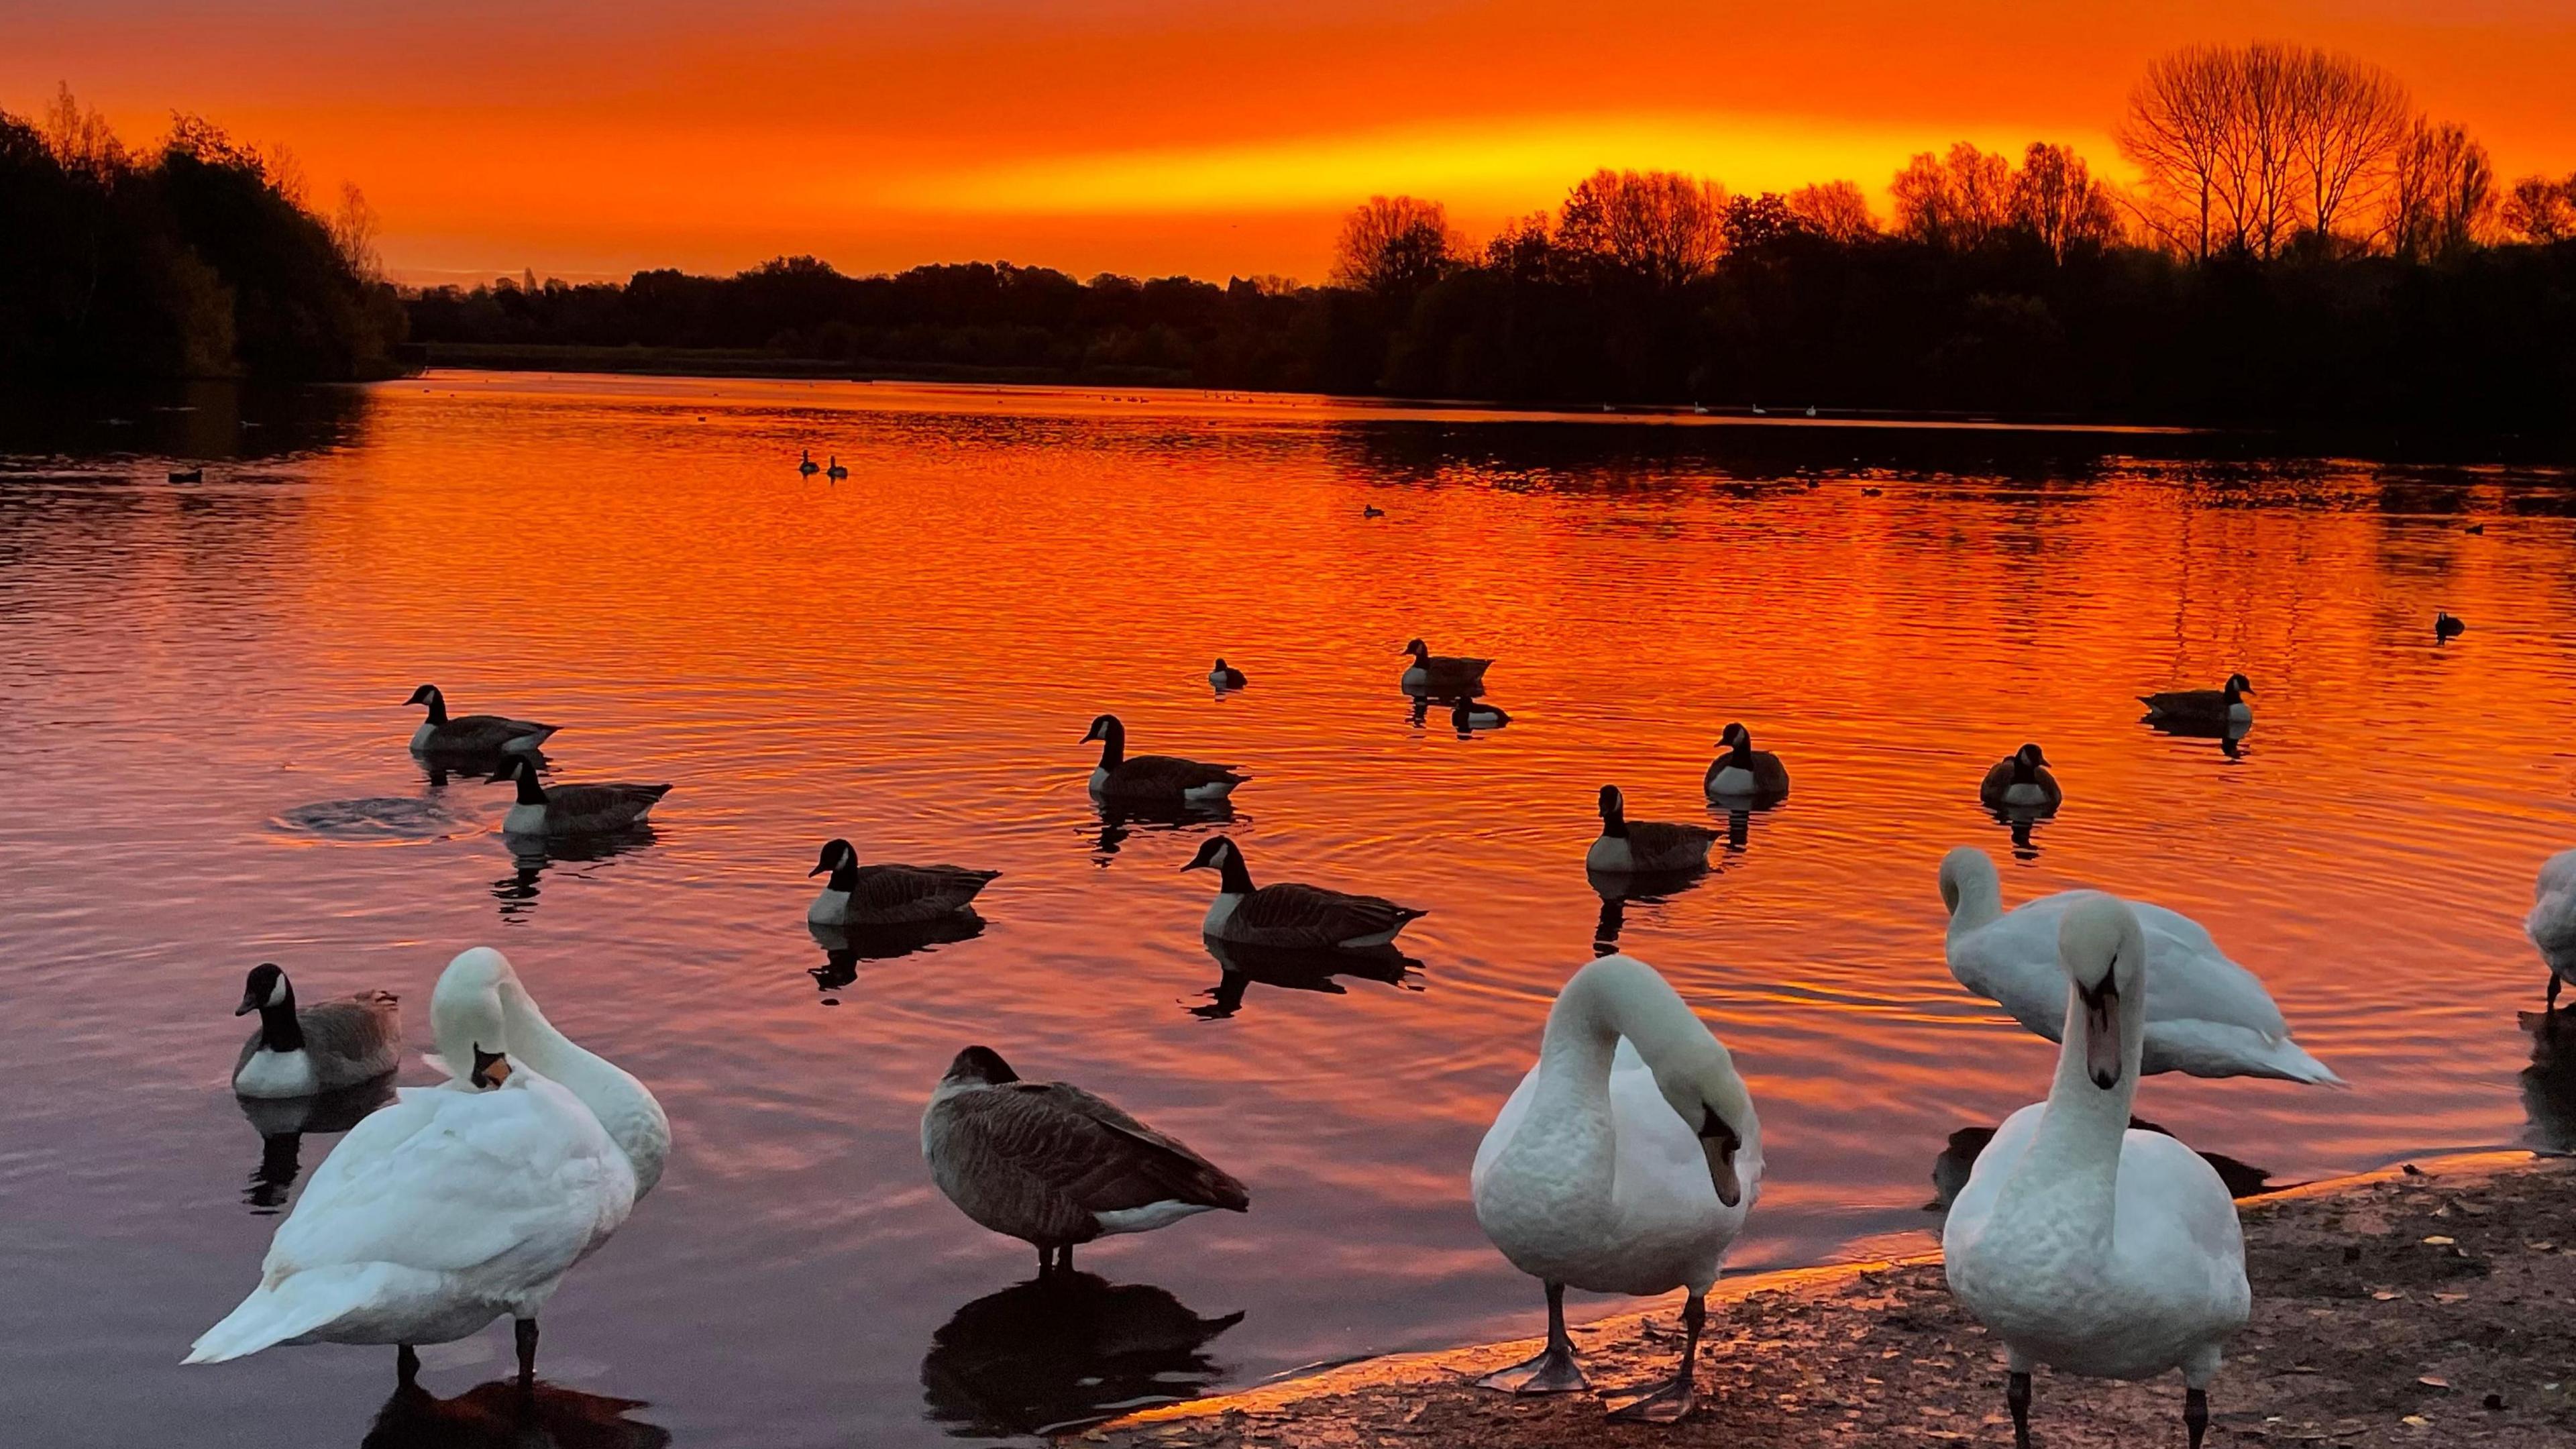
2056, 199
2540, 210
2442, 200
1958, 202
1836, 210
1661, 227
1394, 245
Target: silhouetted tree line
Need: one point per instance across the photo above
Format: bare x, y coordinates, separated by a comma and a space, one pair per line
197, 259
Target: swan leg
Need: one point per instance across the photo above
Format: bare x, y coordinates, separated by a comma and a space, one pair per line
2195, 1414
1668, 1401
526, 1332
2552, 1004
406, 1365
2017, 1397
1554, 1371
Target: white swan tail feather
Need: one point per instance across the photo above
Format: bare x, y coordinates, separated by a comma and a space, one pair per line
299, 1304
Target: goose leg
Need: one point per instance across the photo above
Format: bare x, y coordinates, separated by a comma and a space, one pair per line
406, 1365
1046, 1262
2195, 1414
2017, 1397
2552, 1004
1554, 1371
527, 1336
1064, 1259
1668, 1401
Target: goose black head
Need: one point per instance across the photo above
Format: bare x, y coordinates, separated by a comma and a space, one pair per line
1417, 649
836, 853
266, 986
1104, 727
491, 1069
979, 1064
2031, 757
1220, 661
1612, 805
1212, 854
426, 694
2236, 685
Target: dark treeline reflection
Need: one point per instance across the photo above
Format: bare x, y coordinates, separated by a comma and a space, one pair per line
1064, 1352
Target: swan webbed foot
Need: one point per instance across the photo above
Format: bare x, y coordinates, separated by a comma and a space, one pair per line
1554, 1371
2017, 1396
2195, 1414
1662, 1403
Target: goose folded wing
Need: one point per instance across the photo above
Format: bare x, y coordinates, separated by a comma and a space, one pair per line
1170, 772
603, 802
486, 731
357, 1029
886, 888
1091, 1152
1662, 839
1322, 915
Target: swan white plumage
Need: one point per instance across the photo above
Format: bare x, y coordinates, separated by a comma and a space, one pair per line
461, 1202
2206, 1017
2552, 922
2080, 1242
1625, 1162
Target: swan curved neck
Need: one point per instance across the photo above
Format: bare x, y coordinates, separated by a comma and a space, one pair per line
2072, 1169
1620, 996
1977, 895
633, 1119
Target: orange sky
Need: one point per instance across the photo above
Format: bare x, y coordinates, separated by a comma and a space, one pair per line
579, 137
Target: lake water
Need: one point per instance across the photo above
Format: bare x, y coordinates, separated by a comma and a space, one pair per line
202, 766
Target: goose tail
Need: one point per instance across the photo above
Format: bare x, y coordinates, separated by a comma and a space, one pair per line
526, 744
289, 1308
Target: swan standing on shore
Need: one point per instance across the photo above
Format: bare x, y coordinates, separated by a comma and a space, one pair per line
2552, 922
318, 1048
460, 1202
1625, 1162
2081, 1243
2206, 1016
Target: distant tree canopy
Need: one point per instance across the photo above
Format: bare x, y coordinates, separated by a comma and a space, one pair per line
197, 259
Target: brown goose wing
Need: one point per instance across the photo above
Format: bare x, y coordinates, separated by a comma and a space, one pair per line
1089, 1152
1289, 914
486, 733
1769, 775
601, 807
2186, 703
1663, 845
899, 893
1998, 780
355, 1037
1168, 775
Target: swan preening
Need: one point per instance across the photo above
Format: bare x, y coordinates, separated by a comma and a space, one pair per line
2081, 1243
1290, 915
2221, 708
1152, 779
2021, 781
888, 895
460, 1202
574, 809
1645, 847
2205, 1015
2552, 922
1625, 1162
472, 734
1441, 674
299, 1051
1053, 1165
1743, 772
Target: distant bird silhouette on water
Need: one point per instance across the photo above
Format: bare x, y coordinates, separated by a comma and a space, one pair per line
2202, 708
1645, 847
1371, 510
2021, 781
836, 472
192, 475
2475, 528
1466, 715
1226, 676
1442, 674
888, 895
2446, 628
807, 465
573, 809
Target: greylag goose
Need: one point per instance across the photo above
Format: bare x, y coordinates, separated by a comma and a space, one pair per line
1290, 915
1164, 779
473, 734
318, 1048
1645, 846
888, 895
574, 809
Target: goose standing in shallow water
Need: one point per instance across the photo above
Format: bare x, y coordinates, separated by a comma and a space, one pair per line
888, 895
2084, 1244
1743, 771
1625, 1162
1288, 915
574, 809
2206, 1016
1053, 1165
1226, 676
319, 1048
473, 734
2021, 781
459, 1202
2222, 708
1645, 846
2552, 922
1153, 779
1442, 674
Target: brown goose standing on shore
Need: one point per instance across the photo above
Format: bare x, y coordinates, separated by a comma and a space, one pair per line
2021, 781
471, 734
1442, 674
574, 809
297, 1052
1053, 1165
1645, 846
888, 895
1152, 779
2222, 708
1290, 915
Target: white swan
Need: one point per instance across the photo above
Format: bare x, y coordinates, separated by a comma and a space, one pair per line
2081, 1243
460, 1202
2206, 1017
1625, 1162
2552, 922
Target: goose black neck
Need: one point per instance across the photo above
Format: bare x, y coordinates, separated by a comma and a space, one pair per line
279, 1031
1614, 823
530, 792
1232, 877
437, 708
2232, 693
2024, 772
1742, 755
845, 876
1113, 746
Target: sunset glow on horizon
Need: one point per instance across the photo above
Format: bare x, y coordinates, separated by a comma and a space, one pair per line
1156, 136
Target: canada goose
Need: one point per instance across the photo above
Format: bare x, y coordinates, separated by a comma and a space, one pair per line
1466, 715
1811, 410
1153, 779
1053, 1165
2552, 922
2021, 781
473, 734
459, 1202
191, 475
2222, 708
1873, 492
574, 809
1625, 1162
2084, 1244
1371, 510
2446, 628
1442, 674
807, 465
835, 471
2474, 528
1645, 846
1226, 676
1288, 914
1743, 771
321, 1048
888, 895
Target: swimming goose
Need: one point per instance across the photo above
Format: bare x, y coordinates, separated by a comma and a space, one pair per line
1163, 779
1645, 846
320, 1048
1226, 676
2080, 1242
2446, 628
2206, 1017
1442, 674
1371, 510
2552, 922
834, 470
806, 464
1291, 915
1743, 770
2021, 781
459, 1202
1053, 1165
888, 895
1465, 715
1625, 1162
473, 734
574, 809
2223, 708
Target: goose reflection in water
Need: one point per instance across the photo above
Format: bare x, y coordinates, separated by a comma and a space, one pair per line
502, 1415
1950, 1169
2230, 738
1056, 1354
2549, 1083
1120, 819
281, 1123
844, 947
534, 855
1618, 888
1241, 966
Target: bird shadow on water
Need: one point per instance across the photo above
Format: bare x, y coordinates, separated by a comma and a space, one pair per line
501, 1415
2023, 824
1239, 967
1950, 1170
844, 947
2549, 1083
2230, 738
1113, 825
1056, 1354
533, 855
281, 1123
1620, 889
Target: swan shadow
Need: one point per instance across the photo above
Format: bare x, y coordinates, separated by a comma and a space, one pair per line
1950, 1169
2549, 1083
281, 1123
1054, 1355
533, 855
503, 1416
844, 947
1241, 966
1120, 820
